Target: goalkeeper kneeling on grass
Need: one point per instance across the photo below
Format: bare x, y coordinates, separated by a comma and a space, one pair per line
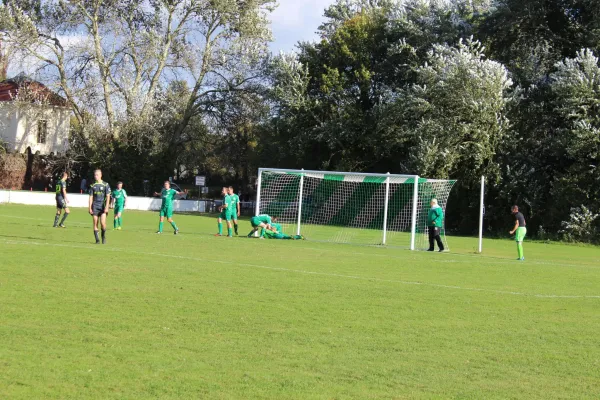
269, 228
276, 232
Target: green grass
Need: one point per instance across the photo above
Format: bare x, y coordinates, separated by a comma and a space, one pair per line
195, 316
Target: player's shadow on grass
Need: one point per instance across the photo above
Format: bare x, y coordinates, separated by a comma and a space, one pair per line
21, 237
43, 239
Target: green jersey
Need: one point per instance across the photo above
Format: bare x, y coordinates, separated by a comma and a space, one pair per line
435, 217
235, 200
119, 196
167, 196
264, 218
277, 227
227, 201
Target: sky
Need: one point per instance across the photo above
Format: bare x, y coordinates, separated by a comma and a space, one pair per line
296, 20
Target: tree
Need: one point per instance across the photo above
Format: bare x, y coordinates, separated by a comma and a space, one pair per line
125, 50
451, 123
529, 37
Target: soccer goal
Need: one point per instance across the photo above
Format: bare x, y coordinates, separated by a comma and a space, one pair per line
349, 207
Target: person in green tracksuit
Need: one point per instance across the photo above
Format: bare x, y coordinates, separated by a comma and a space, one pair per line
276, 232
435, 222
166, 209
225, 213
278, 235
262, 221
520, 230
119, 201
234, 211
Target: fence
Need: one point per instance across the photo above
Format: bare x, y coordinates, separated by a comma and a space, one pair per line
133, 202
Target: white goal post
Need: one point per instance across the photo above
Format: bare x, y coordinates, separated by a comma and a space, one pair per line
351, 207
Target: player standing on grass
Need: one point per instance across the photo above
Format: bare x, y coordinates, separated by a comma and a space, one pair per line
435, 221
119, 201
262, 221
225, 213
235, 208
166, 209
519, 231
98, 204
62, 200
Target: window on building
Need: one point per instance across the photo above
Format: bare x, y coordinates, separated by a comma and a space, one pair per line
42, 131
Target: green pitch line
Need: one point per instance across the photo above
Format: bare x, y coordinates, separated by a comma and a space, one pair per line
197, 316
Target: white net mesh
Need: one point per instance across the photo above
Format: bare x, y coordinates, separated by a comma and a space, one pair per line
349, 207
431, 189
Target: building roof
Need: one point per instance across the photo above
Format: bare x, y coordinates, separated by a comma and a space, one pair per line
23, 88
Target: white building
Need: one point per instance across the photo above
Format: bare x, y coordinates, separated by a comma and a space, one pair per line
34, 117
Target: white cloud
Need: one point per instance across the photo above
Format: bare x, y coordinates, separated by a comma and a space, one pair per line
295, 21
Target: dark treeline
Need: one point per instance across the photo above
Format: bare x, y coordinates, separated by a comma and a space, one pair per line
508, 89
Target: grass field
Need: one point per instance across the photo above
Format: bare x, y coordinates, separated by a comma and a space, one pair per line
194, 316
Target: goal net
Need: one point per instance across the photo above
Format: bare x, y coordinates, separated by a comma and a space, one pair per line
345, 207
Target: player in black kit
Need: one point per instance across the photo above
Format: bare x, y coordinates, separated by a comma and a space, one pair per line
61, 200
99, 202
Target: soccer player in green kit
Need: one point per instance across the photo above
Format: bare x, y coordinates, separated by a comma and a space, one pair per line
276, 232
262, 221
166, 209
119, 201
225, 213
519, 231
61, 200
235, 208
98, 204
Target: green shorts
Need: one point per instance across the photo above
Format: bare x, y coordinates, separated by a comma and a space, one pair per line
233, 215
166, 212
520, 234
254, 222
118, 209
225, 215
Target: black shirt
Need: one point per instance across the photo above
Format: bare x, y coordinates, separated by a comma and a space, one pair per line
520, 219
98, 192
59, 188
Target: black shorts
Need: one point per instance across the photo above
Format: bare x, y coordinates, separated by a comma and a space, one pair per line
97, 211
61, 203
434, 231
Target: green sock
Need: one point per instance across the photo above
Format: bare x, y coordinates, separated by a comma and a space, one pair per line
115, 221
56, 219
251, 233
220, 228
173, 225
520, 249
262, 232
120, 221
160, 225
235, 227
228, 231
